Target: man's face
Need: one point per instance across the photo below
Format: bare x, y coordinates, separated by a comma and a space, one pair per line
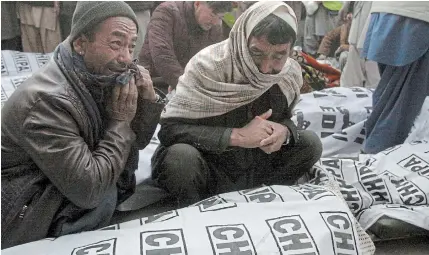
269, 58
113, 46
205, 16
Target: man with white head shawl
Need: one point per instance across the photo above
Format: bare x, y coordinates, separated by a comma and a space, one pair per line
228, 127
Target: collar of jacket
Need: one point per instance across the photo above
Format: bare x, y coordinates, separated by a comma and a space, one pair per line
193, 27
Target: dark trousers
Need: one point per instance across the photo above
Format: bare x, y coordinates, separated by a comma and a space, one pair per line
397, 101
186, 173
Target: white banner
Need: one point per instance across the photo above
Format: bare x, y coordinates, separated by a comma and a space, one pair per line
16, 67
337, 115
282, 225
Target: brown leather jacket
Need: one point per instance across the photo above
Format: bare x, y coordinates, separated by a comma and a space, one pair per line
50, 160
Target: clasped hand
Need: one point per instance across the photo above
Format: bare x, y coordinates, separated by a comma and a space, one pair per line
123, 100
264, 134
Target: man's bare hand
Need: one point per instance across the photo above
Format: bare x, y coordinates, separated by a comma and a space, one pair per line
123, 102
275, 141
145, 86
251, 135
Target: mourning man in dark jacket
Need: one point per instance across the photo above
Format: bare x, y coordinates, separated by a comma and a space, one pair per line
176, 32
71, 132
229, 127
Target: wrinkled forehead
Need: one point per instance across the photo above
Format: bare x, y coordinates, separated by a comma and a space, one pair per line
257, 12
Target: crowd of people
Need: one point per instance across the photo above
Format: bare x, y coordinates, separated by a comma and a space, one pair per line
72, 131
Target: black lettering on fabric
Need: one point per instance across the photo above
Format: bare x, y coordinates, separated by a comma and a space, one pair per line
327, 109
424, 173
4, 71
334, 93
22, 63
346, 117
3, 95
159, 217
360, 139
312, 192
163, 242
359, 92
333, 167
105, 247
111, 227
351, 195
341, 228
325, 134
302, 124
292, 235
328, 121
342, 136
409, 192
16, 82
261, 195
215, 203
41, 59
230, 240
392, 149
318, 95
373, 184
414, 163
368, 109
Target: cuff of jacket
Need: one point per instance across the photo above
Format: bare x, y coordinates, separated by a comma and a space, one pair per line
150, 108
122, 128
224, 140
294, 137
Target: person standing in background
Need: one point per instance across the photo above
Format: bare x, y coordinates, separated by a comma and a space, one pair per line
335, 43
358, 72
10, 31
40, 25
66, 15
142, 10
398, 40
322, 17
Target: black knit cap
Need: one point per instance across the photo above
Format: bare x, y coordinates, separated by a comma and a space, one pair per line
89, 13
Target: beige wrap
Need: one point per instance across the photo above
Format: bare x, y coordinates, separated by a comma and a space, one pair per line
223, 76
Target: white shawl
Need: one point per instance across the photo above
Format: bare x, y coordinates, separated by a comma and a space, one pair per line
223, 76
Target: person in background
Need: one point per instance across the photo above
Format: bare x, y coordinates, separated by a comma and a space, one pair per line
40, 25
142, 10
66, 15
176, 32
335, 43
229, 18
71, 133
299, 9
229, 127
358, 72
398, 40
10, 31
322, 17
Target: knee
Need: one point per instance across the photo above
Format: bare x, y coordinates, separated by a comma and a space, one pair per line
182, 162
310, 145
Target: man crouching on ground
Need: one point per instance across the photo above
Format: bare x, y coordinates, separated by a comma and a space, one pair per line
229, 126
71, 132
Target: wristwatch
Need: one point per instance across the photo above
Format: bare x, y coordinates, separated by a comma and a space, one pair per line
160, 100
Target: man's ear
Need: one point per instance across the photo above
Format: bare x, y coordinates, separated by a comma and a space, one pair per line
80, 44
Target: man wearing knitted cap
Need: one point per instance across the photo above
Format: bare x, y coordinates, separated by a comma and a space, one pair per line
229, 125
71, 132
